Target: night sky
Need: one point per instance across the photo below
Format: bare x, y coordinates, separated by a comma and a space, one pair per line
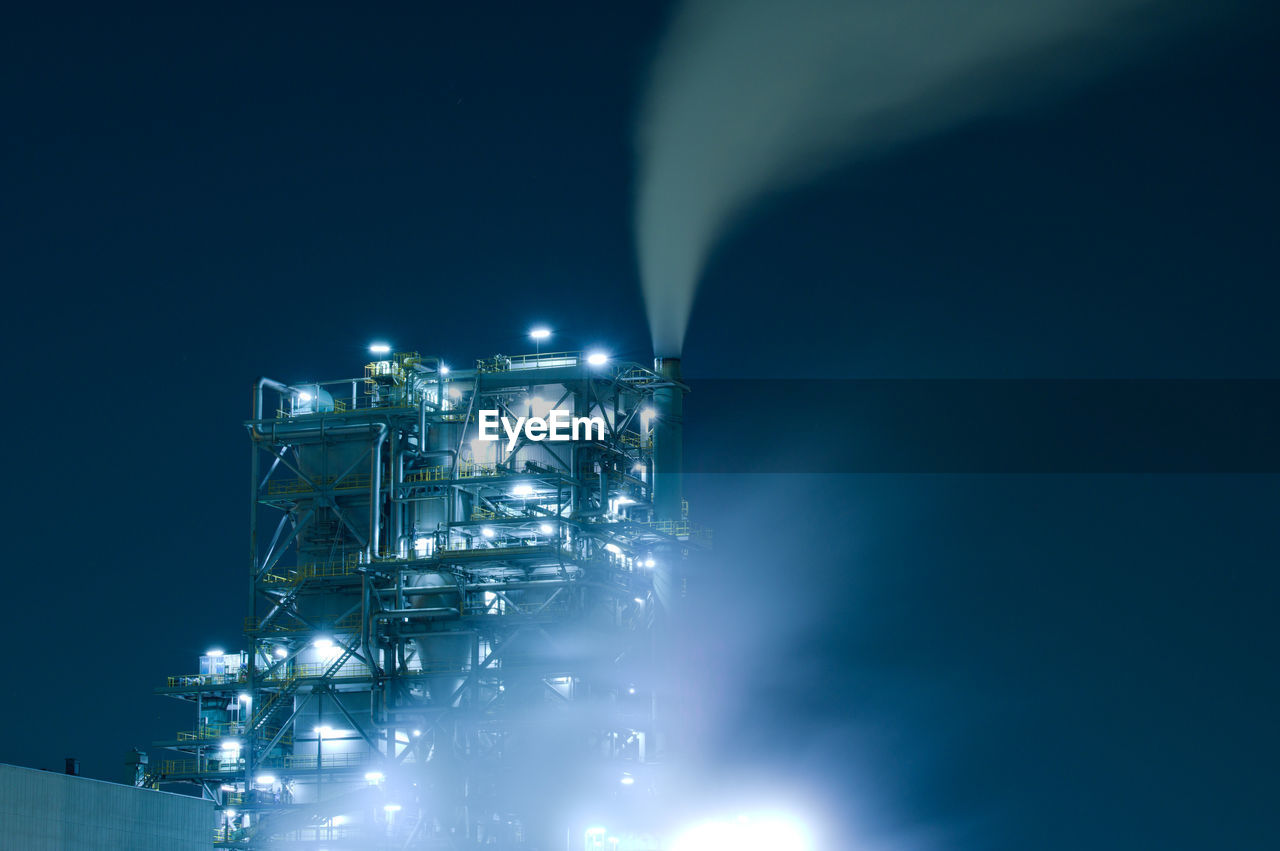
949, 658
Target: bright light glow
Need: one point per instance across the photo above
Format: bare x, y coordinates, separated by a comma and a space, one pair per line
230, 745
281, 652
229, 813
640, 600
597, 358
227, 787
540, 333
304, 397
379, 349
246, 698
631, 689
417, 733
546, 528
596, 831
392, 808
444, 370
374, 777
487, 531
647, 413
322, 643
323, 730
649, 562
338, 821
266, 779
422, 546
522, 489
627, 780
625, 500
215, 652
769, 833
613, 548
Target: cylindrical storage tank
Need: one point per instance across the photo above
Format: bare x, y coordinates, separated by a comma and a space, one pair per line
446, 652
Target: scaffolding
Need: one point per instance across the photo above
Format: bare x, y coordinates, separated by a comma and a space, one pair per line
424, 604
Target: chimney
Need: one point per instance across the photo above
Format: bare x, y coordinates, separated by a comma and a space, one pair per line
668, 449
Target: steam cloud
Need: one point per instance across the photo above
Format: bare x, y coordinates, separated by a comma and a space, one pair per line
749, 97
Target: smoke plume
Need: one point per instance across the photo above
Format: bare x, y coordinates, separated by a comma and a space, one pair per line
749, 97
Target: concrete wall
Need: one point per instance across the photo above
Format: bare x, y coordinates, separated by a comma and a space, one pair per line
44, 810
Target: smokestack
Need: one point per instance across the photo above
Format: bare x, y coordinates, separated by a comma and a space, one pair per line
668, 441
73, 766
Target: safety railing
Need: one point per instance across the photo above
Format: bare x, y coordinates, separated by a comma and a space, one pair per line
539, 360
172, 767
466, 470
335, 760
383, 369
349, 671
184, 680
351, 482
681, 529
206, 732
316, 570
634, 441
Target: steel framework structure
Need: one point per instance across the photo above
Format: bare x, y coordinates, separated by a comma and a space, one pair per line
441, 627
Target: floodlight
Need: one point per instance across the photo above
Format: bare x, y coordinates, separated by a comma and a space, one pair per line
597, 358
540, 333
379, 349
546, 528
522, 489
487, 531
266, 779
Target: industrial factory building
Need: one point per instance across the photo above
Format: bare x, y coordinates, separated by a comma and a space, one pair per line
48, 811
451, 639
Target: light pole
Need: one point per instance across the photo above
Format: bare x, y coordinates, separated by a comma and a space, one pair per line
538, 335
321, 732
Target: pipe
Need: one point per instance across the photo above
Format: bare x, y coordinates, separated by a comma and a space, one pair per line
438, 611
257, 397
375, 509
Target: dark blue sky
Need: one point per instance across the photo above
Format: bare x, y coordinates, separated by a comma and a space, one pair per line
192, 200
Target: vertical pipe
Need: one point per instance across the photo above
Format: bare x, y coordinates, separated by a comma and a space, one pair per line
251, 674
375, 490
668, 443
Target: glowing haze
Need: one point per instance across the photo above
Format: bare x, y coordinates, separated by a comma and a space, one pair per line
749, 97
